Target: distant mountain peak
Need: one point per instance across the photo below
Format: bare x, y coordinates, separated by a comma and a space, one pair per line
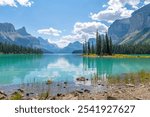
23, 31
74, 43
7, 27
72, 47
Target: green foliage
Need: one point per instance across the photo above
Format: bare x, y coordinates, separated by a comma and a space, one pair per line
89, 48
84, 50
93, 49
44, 95
103, 45
107, 45
16, 96
130, 78
6, 48
111, 46
131, 49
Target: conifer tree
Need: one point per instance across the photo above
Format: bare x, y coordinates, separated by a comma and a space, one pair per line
99, 45
104, 45
89, 48
107, 45
97, 42
85, 46
92, 48
84, 52
111, 46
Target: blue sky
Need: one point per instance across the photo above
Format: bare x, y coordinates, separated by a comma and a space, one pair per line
65, 21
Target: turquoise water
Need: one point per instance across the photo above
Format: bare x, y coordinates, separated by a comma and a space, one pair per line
19, 69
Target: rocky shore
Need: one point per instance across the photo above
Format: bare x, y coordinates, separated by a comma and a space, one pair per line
128, 92
132, 86
114, 92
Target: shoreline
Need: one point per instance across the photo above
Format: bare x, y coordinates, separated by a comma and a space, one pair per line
132, 86
113, 92
117, 56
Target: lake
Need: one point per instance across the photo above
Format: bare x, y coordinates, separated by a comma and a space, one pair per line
19, 69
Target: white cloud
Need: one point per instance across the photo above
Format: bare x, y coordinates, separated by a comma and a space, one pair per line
65, 40
81, 31
7, 2
104, 6
60, 43
146, 2
13, 3
50, 31
26, 3
116, 10
89, 27
85, 30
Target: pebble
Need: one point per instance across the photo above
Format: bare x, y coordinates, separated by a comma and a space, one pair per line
130, 85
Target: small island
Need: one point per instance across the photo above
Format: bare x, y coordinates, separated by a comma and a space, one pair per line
103, 47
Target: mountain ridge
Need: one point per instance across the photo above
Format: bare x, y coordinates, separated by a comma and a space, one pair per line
124, 31
8, 34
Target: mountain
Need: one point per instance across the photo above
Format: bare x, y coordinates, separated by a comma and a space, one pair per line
22, 31
119, 29
133, 30
47, 46
77, 47
72, 47
137, 37
8, 34
19, 37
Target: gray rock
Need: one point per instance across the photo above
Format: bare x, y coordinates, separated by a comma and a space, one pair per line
133, 30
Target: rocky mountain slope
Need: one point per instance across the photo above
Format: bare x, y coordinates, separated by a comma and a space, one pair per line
8, 34
133, 30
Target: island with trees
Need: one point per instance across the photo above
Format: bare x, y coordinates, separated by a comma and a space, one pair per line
105, 48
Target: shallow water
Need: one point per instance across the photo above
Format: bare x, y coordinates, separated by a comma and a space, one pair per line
19, 69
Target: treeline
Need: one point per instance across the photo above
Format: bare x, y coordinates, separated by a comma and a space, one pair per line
6, 48
131, 49
102, 47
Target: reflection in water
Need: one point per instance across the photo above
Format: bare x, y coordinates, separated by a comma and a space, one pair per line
112, 66
18, 69
99, 65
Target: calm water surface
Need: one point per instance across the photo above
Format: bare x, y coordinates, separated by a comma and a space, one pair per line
18, 69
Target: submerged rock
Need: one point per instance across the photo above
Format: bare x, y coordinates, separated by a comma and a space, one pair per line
49, 82
21, 90
81, 79
87, 91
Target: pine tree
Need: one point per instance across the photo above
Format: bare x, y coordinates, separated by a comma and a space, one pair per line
15, 49
89, 48
92, 48
99, 45
111, 46
84, 48
104, 46
107, 45
97, 42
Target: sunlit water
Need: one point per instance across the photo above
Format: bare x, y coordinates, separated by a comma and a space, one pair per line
19, 69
